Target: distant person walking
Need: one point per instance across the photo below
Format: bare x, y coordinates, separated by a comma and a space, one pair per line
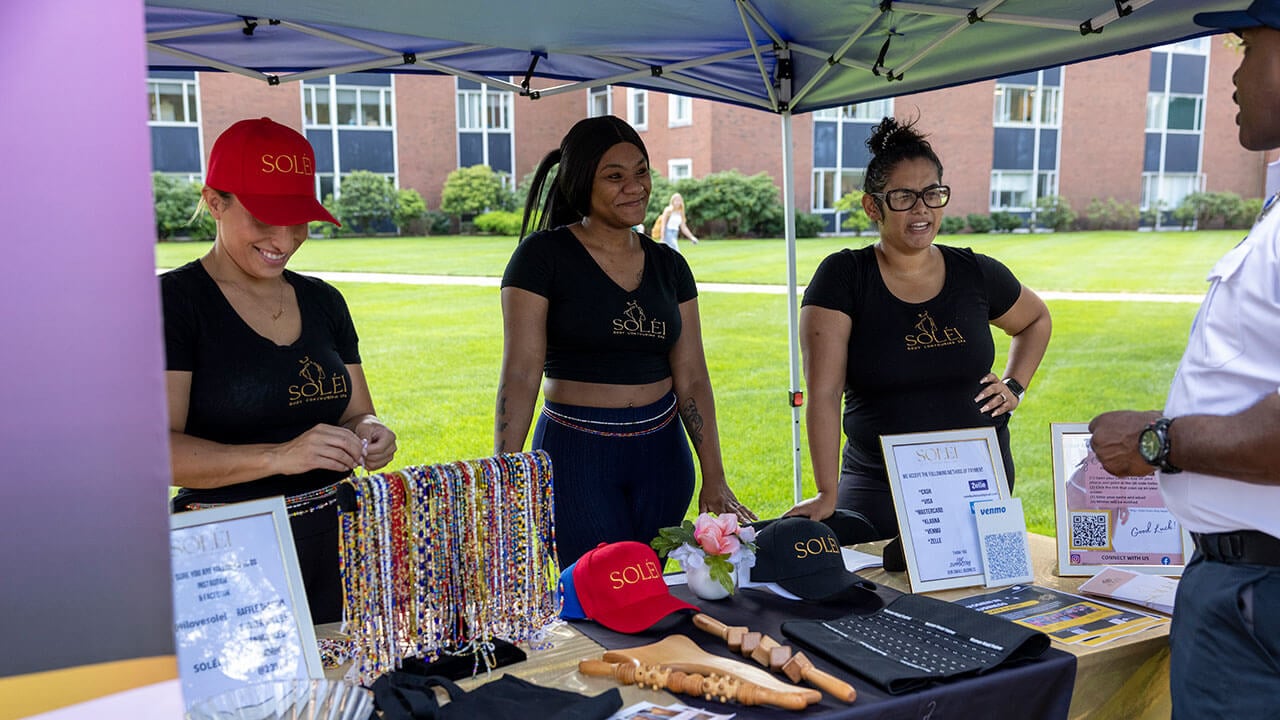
672, 223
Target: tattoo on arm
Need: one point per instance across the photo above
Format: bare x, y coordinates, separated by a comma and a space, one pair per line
692, 421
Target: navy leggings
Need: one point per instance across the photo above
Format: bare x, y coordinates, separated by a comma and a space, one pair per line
619, 473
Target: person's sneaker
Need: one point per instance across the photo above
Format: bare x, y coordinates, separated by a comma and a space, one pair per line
894, 559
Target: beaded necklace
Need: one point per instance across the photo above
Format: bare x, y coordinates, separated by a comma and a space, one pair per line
444, 558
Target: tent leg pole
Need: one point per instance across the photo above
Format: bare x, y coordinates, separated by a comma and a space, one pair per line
793, 332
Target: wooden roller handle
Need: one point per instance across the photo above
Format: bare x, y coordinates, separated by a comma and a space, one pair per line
830, 684
711, 625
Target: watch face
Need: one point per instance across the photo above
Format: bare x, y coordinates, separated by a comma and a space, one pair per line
1149, 445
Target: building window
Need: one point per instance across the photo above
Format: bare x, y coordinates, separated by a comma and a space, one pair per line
827, 191
1011, 190
679, 110
679, 169
1167, 190
638, 108
173, 101
1174, 112
350, 121
873, 111
485, 127
600, 101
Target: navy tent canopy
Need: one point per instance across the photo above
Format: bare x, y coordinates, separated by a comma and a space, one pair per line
777, 55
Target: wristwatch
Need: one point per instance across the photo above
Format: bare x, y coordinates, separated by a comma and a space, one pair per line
1015, 387
1154, 445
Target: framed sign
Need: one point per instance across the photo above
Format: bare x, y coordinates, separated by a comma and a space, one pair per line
240, 611
1107, 520
936, 479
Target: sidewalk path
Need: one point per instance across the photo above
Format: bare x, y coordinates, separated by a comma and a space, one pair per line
405, 279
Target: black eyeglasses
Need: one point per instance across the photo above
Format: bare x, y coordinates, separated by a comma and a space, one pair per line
903, 199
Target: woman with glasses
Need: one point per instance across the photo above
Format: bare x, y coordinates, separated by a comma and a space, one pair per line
899, 329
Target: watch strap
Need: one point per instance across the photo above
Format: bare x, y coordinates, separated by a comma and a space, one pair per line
1161, 429
1015, 387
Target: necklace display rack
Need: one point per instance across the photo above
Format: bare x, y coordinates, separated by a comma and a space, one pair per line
446, 558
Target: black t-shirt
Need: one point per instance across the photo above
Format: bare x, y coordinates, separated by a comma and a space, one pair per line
913, 367
596, 331
245, 388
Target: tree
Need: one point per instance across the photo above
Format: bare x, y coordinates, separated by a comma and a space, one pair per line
175, 202
855, 218
473, 190
410, 209
368, 201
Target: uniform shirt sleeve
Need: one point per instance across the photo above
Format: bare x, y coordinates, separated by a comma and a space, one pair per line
180, 327
832, 284
1003, 288
531, 266
686, 287
345, 339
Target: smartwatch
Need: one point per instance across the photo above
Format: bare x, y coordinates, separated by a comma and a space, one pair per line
1015, 387
1154, 445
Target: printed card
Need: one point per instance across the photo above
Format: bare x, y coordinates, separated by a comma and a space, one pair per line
1002, 534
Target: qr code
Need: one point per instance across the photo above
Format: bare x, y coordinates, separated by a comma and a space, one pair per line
1090, 530
1006, 555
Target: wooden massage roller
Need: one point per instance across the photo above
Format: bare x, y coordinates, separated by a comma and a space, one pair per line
677, 664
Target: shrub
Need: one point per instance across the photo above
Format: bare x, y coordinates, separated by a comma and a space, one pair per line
410, 211
979, 223
367, 203
1111, 214
855, 218
474, 190
952, 225
498, 222
436, 222
1006, 221
175, 201
734, 204
1249, 211
1055, 213
809, 225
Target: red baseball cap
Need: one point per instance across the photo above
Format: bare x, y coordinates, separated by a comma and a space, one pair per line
620, 586
271, 169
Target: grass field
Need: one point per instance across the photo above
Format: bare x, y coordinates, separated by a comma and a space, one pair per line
432, 352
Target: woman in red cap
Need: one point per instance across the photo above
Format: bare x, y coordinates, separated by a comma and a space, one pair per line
266, 393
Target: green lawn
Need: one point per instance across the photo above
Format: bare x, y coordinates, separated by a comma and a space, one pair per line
432, 353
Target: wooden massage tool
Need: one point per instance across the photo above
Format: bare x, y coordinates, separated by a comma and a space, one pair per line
778, 658
675, 663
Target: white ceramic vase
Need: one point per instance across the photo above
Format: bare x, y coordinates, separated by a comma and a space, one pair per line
704, 586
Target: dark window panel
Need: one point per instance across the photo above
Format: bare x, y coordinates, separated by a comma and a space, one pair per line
1182, 153
465, 84
1027, 78
470, 149
1156, 82
1187, 75
500, 152
175, 149
1014, 149
366, 150
1053, 76
824, 143
855, 153
365, 79
322, 142
171, 75
1151, 153
1048, 150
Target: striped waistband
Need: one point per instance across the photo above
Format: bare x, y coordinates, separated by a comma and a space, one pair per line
614, 422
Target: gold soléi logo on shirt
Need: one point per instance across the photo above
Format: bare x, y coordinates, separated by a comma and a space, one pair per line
635, 322
927, 334
317, 384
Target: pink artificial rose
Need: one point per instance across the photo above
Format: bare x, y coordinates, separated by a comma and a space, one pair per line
717, 535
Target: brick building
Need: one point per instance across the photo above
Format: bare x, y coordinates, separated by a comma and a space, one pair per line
1148, 126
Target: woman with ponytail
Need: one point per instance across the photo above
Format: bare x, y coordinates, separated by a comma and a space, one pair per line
610, 319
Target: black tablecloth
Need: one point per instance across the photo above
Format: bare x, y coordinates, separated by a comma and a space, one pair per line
1029, 690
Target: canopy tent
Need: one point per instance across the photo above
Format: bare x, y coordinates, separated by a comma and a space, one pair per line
781, 56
